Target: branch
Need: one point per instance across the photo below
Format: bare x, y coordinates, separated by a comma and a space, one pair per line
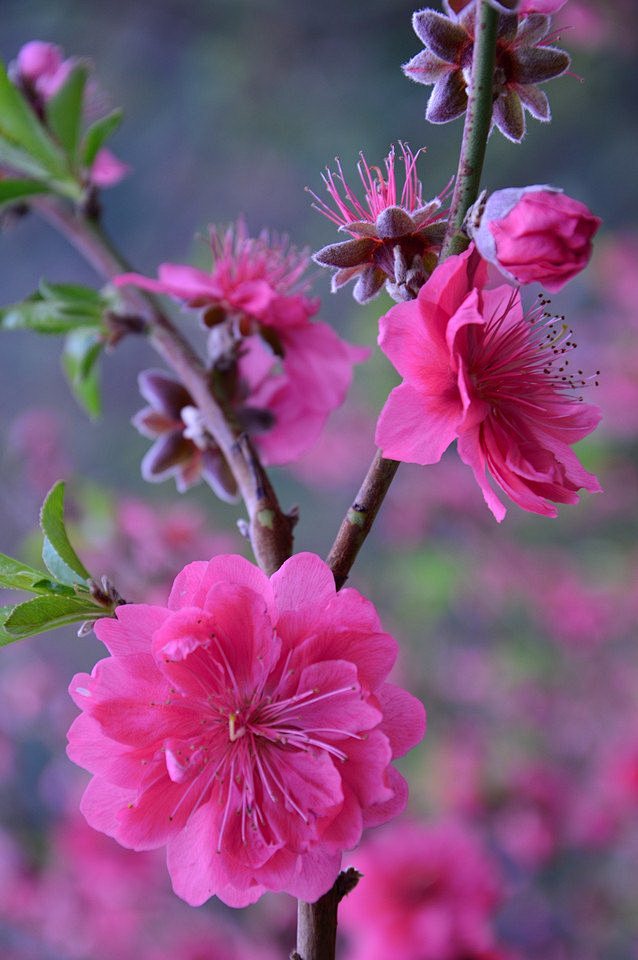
270, 528
317, 922
476, 130
358, 520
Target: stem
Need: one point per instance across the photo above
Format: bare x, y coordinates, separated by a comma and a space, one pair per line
478, 121
359, 519
317, 922
270, 528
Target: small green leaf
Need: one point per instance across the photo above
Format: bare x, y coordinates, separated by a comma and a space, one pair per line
49, 316
5, 638
72, 293
64, 110
13, 191
79, 361
20, 127
97, 134
15, 575
57, 551
46, 613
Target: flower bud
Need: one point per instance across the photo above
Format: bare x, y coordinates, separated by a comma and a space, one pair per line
533, 234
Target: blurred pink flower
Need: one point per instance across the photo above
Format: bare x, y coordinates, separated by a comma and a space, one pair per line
145, 546
37, 437
478, 370
429, 892
342, 453
41, 69
248, 727
534, 234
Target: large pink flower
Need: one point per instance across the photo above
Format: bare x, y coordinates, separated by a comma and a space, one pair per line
248, 726
478, 370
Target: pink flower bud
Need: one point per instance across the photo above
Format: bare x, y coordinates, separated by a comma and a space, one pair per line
38, 58
534, 234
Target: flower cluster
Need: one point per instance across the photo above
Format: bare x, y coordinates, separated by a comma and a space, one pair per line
281, 372
40, 70
247, 726
524, 58
396, 237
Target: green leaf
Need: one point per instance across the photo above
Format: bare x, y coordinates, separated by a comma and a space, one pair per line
73, 293
49, 316
15, 575
46, 613
97, 134
79, 361
20, 127
13, 191
64, 110
5, 638
58, 554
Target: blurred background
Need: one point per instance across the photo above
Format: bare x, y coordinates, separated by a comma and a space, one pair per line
521, 841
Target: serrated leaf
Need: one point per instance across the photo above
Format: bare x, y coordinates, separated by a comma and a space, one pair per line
46, 613
16, 575
97, 135
69, 567
64, 110
20, 127
79, 361
14, 191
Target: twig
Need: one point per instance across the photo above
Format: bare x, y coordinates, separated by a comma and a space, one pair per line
317, 922
360, 517
476, 129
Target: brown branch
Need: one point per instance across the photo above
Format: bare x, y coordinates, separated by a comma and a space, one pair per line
270, 528
358, 520
317, 922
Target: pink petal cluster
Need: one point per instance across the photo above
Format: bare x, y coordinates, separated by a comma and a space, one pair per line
247, 726
478, 370
42, 69
535, 234
292, 372
429, 893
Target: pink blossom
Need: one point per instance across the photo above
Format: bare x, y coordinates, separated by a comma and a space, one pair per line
107, 170
534, 234
247, 726
43, 67
478, 370
429, 893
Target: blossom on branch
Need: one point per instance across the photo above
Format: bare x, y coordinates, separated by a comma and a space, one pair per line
534, 234
477, 369
395, 237
524, 58
247, 726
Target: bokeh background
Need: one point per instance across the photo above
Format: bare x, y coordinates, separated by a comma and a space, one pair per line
522, 837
